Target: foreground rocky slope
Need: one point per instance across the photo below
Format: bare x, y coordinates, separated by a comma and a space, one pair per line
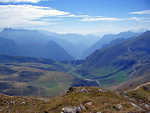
82, 100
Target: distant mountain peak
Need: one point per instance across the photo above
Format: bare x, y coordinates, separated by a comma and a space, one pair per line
147, 32
106, 39
16, 30
7, 29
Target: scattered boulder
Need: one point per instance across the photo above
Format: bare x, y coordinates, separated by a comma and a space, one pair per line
23, 103
146, 106
1, 110
136, 106
103, 91
132, 99
12, 102
43, 99
5, 101
82, 90
119, 106
89, 103
125, 95
82, 107
141, 101
71, 109
70, 89
117, 93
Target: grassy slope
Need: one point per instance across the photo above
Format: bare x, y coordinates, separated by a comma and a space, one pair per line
27, 79
37, 77
140, 93
142, 75
104, 102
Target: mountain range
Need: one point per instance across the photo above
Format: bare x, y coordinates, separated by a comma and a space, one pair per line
77, 43
120, 63
127, 61
106, 39
32, 43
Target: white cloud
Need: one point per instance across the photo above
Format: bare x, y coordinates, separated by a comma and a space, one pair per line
100, 18
74, 16
50, 19
145, 19
24, 15
141, 12
18, 1
22, 23
133, 18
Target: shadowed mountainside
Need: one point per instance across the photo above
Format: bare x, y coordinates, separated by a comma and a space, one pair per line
9, 47
32, 43
118, 63
106, 39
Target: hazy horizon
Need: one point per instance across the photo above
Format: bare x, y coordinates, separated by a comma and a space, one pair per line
96, 17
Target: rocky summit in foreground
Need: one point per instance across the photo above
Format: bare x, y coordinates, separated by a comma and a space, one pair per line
82, 100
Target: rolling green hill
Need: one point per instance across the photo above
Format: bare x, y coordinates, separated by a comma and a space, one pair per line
126, 61
27, 76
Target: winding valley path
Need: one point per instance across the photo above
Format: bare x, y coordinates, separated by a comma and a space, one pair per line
59, 84
139, 87
136, 65
90, 80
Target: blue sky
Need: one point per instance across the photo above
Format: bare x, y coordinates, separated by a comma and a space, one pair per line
76, 16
